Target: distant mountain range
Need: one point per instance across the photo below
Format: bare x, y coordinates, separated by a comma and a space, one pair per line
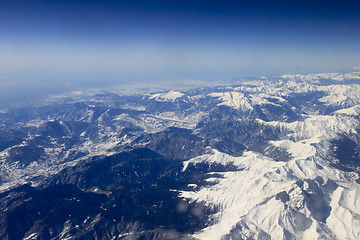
269, 158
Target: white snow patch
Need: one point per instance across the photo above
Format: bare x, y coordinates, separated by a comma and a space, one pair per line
235, 100
345, 217
169, 96
248, 198
314, 78
32, 236
352, 111
298, 150
341, 95
323, 127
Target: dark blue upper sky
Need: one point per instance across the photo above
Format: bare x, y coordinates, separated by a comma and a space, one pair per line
108, 40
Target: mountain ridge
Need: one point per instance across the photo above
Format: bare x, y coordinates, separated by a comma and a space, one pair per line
259, 159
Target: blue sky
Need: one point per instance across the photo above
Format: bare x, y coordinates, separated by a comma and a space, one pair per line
68, 44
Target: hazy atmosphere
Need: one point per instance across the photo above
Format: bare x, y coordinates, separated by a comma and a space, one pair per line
56, 46
169, 119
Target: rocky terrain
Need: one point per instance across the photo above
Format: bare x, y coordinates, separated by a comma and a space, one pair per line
270, 158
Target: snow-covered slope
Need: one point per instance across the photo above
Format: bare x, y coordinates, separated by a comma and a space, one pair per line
340, 77
169, 96
265, 199
303, 198
235, 100
269, 158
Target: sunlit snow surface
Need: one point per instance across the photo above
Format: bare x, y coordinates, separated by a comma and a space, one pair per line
169, 96
249, 199
251, 203
304, 197
235, 100
266, 199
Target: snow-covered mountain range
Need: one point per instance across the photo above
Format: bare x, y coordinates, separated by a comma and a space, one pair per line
269, 158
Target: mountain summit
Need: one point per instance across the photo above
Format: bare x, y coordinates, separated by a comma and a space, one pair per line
270, 158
